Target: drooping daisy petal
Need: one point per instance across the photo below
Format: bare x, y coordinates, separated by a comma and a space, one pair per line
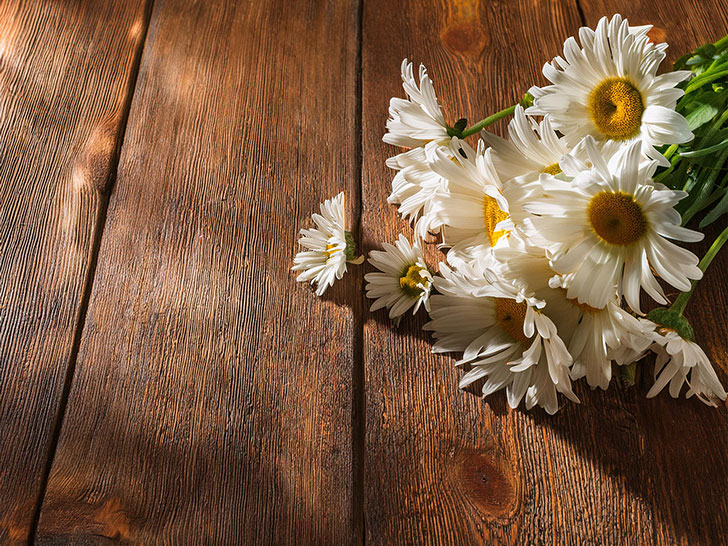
329, 247
472, 212
418, 123
415, 187
601, 337
680, 361
532, 147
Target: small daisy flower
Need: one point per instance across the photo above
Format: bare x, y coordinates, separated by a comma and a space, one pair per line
404, 280
415, 121
330, 247
609, 227
472, 211
680, 361
609, 89
504, 335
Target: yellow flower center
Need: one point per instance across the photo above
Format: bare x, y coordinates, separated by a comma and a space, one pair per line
493, 214
511, 315
552, 169
331, 250
410, 279
616, 218
616, 108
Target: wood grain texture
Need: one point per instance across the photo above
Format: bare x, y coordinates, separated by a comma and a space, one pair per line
687, 444
212, 401
65, 73
444, 467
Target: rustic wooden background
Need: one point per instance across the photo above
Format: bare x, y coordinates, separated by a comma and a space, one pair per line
163, 379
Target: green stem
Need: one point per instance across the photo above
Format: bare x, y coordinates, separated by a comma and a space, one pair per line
682, 300
668, 154
490, 120
722, 42
671, 150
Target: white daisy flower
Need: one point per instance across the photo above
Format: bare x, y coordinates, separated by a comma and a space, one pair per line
415, 121
609, 89
600, 337
504, 336
415, 186
472, 212
404, 280
330, 247
532, 147
609, 227
681, 361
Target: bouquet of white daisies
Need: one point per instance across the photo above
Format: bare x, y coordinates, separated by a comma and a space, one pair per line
553, 234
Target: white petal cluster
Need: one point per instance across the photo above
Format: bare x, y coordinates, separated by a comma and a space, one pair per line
609, 88
417, 123
403, 281
327, 248
553, 233
681, 361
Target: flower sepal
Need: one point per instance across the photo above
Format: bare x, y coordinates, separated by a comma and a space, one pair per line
350, 250
672, 320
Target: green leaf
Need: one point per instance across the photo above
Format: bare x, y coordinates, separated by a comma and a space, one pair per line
682, 62
457, 129
701, 115
705, 151
702, 107
720, 209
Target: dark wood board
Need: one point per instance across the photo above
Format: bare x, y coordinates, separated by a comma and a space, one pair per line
66, 75
444, 467
688, 444
212, 400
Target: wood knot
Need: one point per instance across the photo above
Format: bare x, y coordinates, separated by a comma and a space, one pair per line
113, 519
464, 37
15, 524
96, 160
657, 35
486, 484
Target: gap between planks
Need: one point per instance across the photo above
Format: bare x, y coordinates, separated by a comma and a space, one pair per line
100, 223
358, 380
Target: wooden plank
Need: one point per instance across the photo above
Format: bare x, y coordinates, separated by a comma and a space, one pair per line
686, 443
212, 402
66, 70
444, 467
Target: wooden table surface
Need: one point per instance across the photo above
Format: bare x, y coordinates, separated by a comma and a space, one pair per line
164, 379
